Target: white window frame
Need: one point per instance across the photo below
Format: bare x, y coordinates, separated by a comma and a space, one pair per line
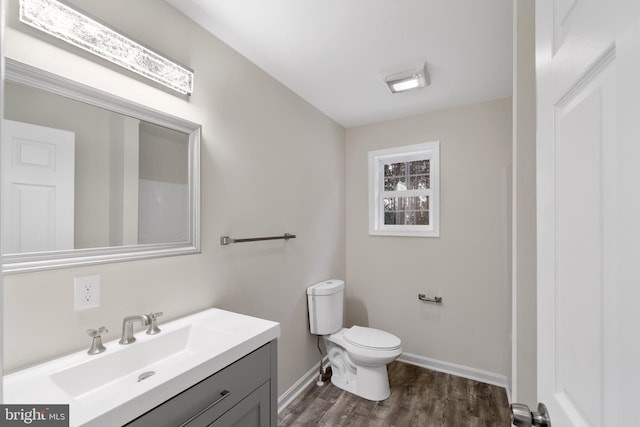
408, 153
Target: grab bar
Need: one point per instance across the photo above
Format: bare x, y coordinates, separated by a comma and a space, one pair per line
226, 240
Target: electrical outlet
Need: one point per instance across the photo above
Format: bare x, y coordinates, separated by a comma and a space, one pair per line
87, 292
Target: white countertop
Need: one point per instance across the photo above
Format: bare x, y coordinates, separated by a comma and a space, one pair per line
103, 390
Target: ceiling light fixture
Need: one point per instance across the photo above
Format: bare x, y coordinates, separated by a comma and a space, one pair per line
62, 21
407, 80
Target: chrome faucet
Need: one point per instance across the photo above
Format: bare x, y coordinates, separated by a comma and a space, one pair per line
127, 327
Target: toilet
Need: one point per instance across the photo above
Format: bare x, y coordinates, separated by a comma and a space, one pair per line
358, 355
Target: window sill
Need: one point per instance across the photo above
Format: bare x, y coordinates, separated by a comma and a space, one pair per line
406, 233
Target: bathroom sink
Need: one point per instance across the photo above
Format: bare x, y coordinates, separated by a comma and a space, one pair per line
127, 380
117, 372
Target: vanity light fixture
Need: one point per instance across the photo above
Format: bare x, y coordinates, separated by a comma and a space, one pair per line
61, 21
406, 80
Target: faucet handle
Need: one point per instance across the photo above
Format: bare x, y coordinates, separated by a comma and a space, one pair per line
153, 325
96, 345
96, 333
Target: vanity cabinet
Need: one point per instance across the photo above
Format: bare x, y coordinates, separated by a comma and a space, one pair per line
244, 394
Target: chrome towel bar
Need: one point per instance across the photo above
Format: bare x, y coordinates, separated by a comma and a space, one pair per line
226, 240
423, 297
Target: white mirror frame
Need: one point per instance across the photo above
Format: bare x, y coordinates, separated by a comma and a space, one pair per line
18, 72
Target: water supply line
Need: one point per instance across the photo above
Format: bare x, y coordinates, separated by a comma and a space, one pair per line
320, 383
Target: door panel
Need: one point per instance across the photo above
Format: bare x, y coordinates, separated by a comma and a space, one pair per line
33, 218
563, 18
579, 145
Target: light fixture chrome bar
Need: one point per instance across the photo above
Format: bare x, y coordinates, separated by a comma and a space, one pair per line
62, 21
226, 240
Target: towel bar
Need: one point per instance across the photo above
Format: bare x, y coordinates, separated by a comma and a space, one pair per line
226, 240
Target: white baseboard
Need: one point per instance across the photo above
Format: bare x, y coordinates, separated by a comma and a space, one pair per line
311, 376
454, 369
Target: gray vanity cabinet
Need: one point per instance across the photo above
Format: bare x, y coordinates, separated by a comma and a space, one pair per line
243, 394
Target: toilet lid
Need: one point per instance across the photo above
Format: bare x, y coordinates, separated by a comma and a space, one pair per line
371, 338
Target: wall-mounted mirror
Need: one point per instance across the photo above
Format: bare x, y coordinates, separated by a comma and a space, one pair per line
89, 177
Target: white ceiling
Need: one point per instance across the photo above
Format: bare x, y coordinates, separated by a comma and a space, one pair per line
336, 53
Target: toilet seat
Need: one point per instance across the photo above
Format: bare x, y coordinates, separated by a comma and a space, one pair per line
372, 339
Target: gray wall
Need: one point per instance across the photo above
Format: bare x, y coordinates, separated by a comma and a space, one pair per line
271, 163
467, 265
164, 154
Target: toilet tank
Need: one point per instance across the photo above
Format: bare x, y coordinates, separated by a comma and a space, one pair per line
325, 300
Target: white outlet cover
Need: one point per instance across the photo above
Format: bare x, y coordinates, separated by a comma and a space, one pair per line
86, 292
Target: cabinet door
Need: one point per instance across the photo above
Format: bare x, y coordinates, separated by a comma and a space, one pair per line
252, 411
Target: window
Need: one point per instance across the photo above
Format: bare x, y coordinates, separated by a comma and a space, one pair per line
404, 187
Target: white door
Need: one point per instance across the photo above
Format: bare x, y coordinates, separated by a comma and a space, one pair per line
588, 195
38, 188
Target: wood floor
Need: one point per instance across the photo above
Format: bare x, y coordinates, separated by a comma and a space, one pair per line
419, 398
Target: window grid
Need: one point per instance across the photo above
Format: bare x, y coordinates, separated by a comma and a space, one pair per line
405, 199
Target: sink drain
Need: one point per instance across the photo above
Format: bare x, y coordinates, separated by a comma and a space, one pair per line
145, 375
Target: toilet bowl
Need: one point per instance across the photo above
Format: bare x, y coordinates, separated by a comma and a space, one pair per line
360, 365
358, 355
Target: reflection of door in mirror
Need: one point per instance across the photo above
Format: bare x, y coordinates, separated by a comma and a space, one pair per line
38, 187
